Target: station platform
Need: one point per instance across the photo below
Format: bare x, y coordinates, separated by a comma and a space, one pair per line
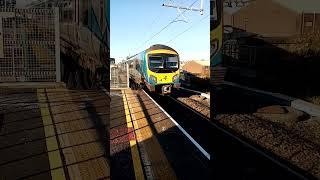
53, 133
146, 144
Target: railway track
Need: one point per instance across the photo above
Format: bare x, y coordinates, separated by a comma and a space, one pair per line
195, 100
229, 150
273, 132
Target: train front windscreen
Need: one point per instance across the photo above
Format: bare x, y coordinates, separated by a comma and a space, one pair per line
163, 63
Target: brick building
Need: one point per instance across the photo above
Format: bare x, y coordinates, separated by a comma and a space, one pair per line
276, 18
198, 68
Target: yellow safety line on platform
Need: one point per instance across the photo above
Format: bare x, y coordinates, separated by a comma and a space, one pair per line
55, 160
133, 143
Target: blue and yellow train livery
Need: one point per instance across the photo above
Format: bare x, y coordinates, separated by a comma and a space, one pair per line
157, 68
217, 71
216, 32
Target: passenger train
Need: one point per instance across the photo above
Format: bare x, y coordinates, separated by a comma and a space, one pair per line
157, 68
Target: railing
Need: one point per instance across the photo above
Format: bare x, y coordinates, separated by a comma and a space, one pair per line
119, 76
29, 49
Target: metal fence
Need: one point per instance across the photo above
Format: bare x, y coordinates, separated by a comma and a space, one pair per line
119, 76
246, 55
29, 45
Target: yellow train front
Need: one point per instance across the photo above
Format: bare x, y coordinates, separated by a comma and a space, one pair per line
157, 68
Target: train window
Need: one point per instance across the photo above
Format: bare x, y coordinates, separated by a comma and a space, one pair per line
172, 62
155, 62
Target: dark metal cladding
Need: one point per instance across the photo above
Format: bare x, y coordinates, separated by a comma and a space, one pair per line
160, 46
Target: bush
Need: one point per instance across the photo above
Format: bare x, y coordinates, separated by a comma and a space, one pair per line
307, 45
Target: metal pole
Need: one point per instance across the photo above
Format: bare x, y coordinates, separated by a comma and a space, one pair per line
13, 48
1, 39
127, 66
302, 29
57, 45
201, 7
314, 20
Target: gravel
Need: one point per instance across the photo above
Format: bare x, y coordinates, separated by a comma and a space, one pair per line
309, 130
289, 144
197, 103
286, 132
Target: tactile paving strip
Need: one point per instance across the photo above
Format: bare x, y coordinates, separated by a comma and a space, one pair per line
81, 130
155, 163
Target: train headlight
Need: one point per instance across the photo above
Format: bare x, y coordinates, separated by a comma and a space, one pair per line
153, 79
175, 78
214, 47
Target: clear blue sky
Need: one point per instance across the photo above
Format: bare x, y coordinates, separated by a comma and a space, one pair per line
134, 22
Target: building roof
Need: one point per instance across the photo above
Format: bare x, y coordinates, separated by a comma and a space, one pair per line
160, 46
306, 6
201, 62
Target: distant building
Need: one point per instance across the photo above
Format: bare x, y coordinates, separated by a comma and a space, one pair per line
8, 3
198, 68
275, 18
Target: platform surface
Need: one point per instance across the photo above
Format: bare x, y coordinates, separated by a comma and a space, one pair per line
53, 133
146, 144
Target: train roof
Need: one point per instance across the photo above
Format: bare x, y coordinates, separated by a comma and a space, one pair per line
160, 46
155, 47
